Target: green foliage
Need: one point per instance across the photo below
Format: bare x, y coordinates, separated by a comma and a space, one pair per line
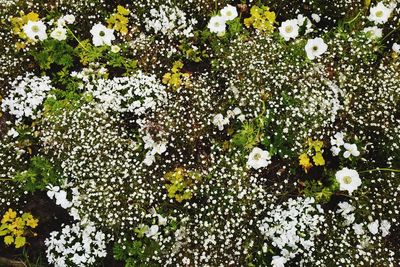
54, 52
249, 135
62, 101
89, 53
135, 253
180, 182
40, 173
318, 190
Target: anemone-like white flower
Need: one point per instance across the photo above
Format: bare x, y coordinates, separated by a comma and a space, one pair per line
380, 13
69, 18
315, 48
258, 158
35, 30
115, 49
351, 150
229, 13
289, 29
374, 32
59, 34
102, 35
217, 24
348, 179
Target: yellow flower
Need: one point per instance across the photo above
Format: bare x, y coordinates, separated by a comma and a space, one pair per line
9, 216
319, 159
305, 162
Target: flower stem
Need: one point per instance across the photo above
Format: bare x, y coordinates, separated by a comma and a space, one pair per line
79, 42
381, 169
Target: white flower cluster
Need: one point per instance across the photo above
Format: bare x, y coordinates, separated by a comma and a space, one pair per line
80, 244
379, 14
138, 94
170, 21
60, 196
26, 96
346, 210
60, 31
217, 23
350, 149
154, 148
293, 226
290, 28
220, 121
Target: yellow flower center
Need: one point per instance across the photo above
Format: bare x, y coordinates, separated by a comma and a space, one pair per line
257, 156
379, 13
347, 180
289, 29
35, 29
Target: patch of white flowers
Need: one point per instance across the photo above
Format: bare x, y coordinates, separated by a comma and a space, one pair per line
170, 21
80, 244
26, 96
137, 94
292, 227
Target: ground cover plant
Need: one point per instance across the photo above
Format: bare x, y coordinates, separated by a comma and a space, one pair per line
199, 133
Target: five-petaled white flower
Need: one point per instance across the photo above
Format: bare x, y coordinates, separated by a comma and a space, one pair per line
217, 24
220, 121
258, 158
348, 179
351, 149
278, 261
315, 48
289, 29
35, 30
102, 35
229, 13
380, 13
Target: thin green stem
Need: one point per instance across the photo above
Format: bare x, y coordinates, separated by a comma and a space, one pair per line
355, 18
381, 169
390, 33
76, 38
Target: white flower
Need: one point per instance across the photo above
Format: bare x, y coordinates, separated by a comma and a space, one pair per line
316, 17
374, 32
149, 159
220, 121
102, 35
396, 48
258, 158
358, 228
217, 24
385, 226
335, 150
115, 49
13, 133
315, 48
59, 34
380, 13
289, 29
35, 30
373, 227
351, 149
350, 218
278, 261
337, 139
304, 21
345, 208
69, 19
348, 179
229, 13
152, 231
61, 199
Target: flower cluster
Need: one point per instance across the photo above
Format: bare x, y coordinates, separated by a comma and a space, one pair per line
80, 244
26, 96
292, 227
